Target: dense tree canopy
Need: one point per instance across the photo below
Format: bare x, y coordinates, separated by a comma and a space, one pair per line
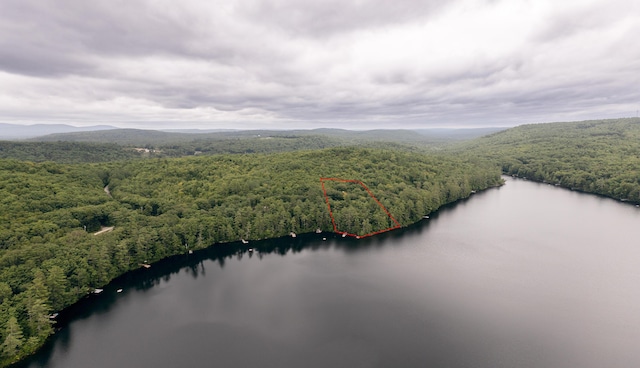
601, 157
50, 254
70, 226
107, 148
66, 152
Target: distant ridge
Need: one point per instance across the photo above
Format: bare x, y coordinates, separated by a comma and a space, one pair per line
197, 131
459, 133
141, 137
16, 131
135, 137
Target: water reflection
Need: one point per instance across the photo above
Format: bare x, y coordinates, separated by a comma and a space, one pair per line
195, 265
527, 275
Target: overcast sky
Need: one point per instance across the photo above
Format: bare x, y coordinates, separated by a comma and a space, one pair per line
310, 63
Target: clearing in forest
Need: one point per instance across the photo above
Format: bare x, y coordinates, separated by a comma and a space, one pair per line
354, 210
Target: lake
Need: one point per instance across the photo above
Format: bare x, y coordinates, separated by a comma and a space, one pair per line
526, 275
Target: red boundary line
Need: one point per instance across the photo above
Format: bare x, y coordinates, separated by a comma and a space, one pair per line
333, 221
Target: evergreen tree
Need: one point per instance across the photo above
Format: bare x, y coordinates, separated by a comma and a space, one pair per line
14, 338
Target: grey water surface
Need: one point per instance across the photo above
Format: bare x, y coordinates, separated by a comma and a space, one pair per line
526, 275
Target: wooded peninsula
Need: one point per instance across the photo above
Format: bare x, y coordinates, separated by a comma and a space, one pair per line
77, 213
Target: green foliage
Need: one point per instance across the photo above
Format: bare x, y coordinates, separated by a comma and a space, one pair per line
161, 206
13, 338
49, 256
65, 152
118, 144
260, 138
601, 157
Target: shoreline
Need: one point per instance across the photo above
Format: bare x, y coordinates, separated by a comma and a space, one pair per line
65, 315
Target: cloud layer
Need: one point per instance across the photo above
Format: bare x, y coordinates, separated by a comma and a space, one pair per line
307, 63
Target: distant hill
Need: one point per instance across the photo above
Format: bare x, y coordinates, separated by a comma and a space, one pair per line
198, 142
127, 137
66, 152
156, 138
106, 143
596, 156
458, 134
16, 131
197, 131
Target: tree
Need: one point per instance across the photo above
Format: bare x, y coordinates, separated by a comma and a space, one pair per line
57, 284
37, 306
38, 312
5, 291
14, 339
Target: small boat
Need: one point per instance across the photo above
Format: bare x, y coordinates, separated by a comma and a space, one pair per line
119, 291
53, 316
293, 235
323, 239
318, 231
250, 249
244, 241
344, 235
97, 291
425, 217
145, 265
190, 251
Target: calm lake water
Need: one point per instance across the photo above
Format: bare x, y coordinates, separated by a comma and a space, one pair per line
527, 275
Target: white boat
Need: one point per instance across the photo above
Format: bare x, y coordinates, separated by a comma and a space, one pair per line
244, 241
119, 290
97, 291
293, 235
318, 231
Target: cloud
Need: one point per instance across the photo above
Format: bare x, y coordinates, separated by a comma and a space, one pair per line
322, 19
308, 63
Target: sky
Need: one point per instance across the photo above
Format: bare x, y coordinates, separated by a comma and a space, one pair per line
296, 64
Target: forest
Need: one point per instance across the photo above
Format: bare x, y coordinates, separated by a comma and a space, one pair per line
52, 254
600, 156
65, 152
116, 145
75, 214
122, 144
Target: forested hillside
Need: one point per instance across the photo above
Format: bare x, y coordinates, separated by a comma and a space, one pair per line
65, 152
601, 157
178, 144
19, 131
155, 205
122, 144
49, 212
85, 152
158, 139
